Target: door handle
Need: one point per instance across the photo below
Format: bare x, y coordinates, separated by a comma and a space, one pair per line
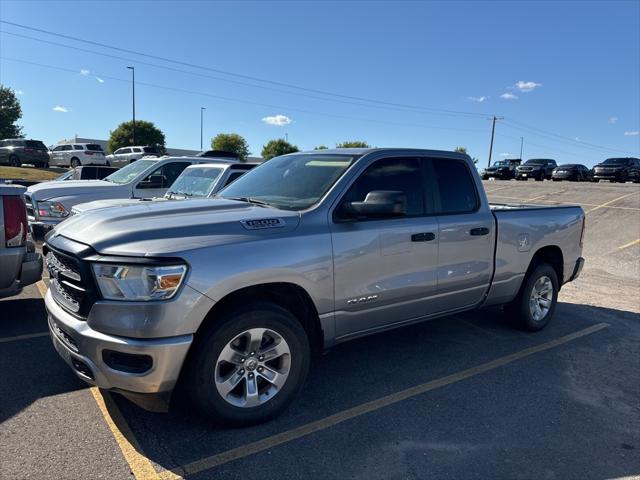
423, 237
476, 232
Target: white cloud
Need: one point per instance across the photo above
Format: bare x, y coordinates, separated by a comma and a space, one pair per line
635, 133
506, 154
278, 120
84, 72
99, 80
613, 119
509, 96
19, 92
478, 99
60, 108
526, 86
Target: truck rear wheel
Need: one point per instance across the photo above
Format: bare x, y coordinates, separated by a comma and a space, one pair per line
536, 302
248, 367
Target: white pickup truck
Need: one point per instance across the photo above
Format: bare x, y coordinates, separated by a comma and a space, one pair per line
49, 203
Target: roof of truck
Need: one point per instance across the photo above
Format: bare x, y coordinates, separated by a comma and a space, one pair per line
363, 151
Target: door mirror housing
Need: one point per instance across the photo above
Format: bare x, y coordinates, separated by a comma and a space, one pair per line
377, 204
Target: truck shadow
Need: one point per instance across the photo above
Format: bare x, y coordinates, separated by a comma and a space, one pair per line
372, 367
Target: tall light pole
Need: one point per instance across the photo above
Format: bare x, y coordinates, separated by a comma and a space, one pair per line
493, 131
286, 137
133, 90
521, 143
202, 109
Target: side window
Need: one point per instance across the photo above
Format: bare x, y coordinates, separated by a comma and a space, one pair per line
78, 147
396, 174
137, 150
57, 149
456, 189
124, 150
233, 176
168, 173
67, 147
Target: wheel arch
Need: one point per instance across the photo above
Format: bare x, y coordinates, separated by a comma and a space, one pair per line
551, 254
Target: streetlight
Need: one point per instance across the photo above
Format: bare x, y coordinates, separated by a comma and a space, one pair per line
133, 89
202, 109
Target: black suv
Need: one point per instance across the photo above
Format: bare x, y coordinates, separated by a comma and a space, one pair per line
16, 151
538, 168
618, 170
503, 169
571, 171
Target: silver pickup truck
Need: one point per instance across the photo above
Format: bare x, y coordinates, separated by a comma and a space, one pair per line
20, 264
231, 296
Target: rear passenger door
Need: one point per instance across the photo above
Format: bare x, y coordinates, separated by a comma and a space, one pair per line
384, 268
466, 236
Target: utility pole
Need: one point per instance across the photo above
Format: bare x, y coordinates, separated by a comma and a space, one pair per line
286, 137
521, 143
133, 90
493, 131
202, 109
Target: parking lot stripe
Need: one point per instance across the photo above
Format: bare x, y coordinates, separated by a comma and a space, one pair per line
24, 337
609, 202
332, 420
630, 244
140, 465
42, 288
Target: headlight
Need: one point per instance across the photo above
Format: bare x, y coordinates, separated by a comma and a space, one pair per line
138, 282
52, 209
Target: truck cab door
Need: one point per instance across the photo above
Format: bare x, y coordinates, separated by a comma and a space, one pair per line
466, 233
384, 268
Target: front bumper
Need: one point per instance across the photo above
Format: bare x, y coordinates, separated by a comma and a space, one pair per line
497, 174
83, 349
607, 175
528, 174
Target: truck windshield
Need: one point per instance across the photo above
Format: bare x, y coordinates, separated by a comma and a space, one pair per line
501, 163
195, 182
130, 172
615, 161
535, 162
291, 182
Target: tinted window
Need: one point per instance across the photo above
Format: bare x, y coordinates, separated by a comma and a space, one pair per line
124, 150
66, 147
151, 150
398, 174
456, 190
94, 147
137, 150
169, 172
233, 176
78, 147
34, 144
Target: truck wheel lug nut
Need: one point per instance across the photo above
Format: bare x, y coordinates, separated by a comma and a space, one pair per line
252, 353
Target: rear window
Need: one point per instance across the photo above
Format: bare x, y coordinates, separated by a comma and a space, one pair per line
34, 144
95, 147
456, 189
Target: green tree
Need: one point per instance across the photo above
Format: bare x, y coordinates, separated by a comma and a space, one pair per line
10, 112
231, 142
464, 150
146, 134
321, 147
353, 144
277, 147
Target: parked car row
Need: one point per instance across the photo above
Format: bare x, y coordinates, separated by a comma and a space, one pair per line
19, 151
612, 169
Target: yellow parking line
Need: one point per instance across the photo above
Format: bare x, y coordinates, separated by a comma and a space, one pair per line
543, 195
630, 244
609, 202
140, 465
304, 430
42, 288
24, 337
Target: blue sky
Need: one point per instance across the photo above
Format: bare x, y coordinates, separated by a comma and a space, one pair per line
574, 68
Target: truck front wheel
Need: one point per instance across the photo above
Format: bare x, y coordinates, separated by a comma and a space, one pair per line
248, 367
536, 302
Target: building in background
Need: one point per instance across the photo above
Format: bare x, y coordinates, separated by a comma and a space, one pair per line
176, 152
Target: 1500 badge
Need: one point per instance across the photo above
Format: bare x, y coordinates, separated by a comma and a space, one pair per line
262, 223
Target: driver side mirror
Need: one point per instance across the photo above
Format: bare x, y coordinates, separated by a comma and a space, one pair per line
154, 181
377, 204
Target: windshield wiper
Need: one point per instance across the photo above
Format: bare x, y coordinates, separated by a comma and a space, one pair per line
250, 200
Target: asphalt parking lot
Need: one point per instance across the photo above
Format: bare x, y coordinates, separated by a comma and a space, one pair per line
459, 397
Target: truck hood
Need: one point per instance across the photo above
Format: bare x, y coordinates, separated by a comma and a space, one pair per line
169, 228
112, 202
53, 189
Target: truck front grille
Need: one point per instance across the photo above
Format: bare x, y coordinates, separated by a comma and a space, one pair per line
72, 285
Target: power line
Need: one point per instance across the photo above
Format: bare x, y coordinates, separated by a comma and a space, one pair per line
239, 75
239, 100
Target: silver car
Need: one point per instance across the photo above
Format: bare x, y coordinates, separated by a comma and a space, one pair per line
75, 154
125, 155
232, 295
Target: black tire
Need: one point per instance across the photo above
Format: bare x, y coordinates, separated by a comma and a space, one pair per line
14, 161
75, 162
539, 178
518, 310
595, 180
201, 367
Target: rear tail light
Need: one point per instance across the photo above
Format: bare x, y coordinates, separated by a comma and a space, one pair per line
15, 221
584, 223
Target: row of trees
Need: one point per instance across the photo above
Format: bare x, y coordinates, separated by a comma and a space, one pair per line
146, 133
